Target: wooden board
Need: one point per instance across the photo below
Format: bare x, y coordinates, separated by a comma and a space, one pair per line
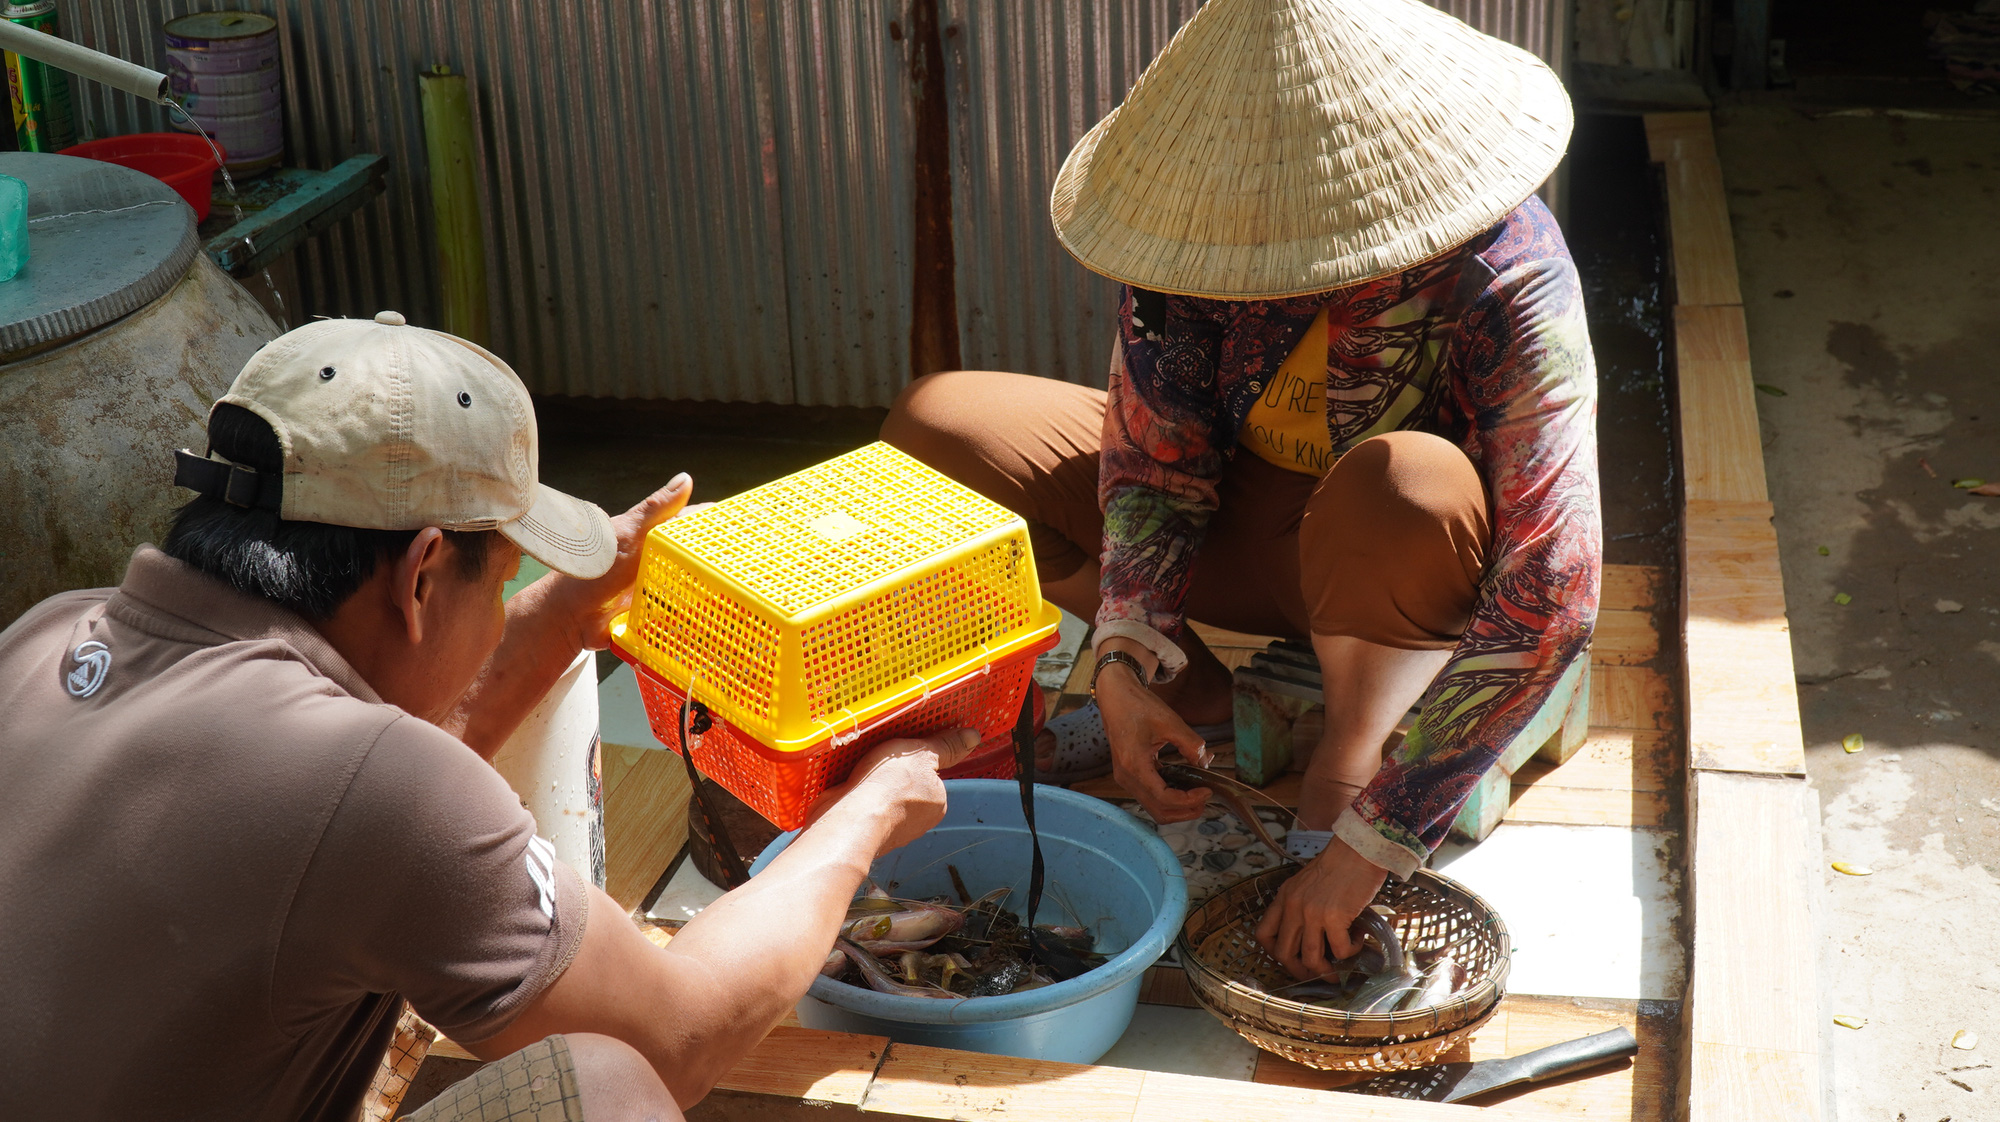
1753, 1003
1753, 1024
1639, 1090
1624, 637
1722, 449
1729, 564
1189, 1098
801, 1063
1743, 702
1167, 985
1587, 806
1615, 760
945, 1083
1703, 251
1737, 653
942, 1083
645, 824
1630, 697
1620, 777
1753, 985
1728, 1084
1630, 588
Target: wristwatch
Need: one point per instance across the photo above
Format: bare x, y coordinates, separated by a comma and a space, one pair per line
1109, 657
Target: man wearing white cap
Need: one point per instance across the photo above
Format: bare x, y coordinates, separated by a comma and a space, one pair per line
1351, 402
243, 811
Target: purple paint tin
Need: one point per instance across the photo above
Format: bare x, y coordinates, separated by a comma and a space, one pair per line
223, 68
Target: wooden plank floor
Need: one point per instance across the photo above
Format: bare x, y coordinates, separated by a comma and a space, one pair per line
1753, 1022
1624, 775
1627, 774
1636, 1089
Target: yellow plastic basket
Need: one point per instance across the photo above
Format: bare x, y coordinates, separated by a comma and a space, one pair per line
804, 610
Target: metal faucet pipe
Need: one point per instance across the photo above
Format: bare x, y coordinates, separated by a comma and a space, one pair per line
62, 54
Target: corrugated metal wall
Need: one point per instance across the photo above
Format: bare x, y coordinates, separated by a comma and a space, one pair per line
1029, 79
712, 199
690, 200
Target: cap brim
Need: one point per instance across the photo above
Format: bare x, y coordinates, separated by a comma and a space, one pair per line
568, 535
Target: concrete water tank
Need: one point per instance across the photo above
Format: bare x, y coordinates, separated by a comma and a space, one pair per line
114, 341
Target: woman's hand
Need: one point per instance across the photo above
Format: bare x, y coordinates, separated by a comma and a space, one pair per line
1138, 724
1314, 909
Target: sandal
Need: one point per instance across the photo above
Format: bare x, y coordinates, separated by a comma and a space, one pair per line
1084, 752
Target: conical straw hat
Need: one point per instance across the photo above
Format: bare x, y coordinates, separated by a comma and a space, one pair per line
1280, 147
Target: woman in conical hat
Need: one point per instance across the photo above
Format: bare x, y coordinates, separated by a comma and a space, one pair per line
1351, 401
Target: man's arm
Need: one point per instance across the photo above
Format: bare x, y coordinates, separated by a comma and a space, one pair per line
548, 622
697, 1007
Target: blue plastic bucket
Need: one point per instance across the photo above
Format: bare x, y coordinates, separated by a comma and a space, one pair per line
1104, 870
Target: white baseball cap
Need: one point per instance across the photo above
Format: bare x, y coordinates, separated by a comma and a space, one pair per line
385, 426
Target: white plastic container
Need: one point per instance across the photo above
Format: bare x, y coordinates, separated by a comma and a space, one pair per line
555, 763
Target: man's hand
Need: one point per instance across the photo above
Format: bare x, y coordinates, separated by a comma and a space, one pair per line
1315, 908
696, 1007
1138, 724
595, 603
901, 778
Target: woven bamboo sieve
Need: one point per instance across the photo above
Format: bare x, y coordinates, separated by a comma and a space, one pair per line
1433, 913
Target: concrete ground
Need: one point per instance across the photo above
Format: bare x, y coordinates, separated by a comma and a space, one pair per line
1870, 262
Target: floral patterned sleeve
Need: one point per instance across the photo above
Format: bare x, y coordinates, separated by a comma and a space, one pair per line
1180, 378
1524, 385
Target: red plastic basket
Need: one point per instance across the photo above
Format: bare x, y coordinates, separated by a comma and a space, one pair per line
994, 758
783, 785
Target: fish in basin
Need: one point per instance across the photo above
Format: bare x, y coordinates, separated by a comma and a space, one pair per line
932, 948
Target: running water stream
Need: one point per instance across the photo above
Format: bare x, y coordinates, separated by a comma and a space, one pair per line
235, 203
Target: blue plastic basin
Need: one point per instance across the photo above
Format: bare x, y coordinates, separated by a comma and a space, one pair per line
1104, 870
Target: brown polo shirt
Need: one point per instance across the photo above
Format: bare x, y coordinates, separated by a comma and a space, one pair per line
224, 861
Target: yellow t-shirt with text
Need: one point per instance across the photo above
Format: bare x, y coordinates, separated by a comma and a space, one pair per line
1287, 425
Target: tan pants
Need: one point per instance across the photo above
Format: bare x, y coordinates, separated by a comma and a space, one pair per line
1389, 546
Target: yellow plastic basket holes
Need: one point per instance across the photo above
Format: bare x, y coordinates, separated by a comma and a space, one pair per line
812, 603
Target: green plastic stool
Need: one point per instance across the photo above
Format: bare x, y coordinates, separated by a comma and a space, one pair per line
1282, 683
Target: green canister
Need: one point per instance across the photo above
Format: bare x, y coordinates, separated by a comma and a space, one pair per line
43, 120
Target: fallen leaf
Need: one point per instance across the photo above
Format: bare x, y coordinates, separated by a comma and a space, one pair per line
1842, 598
1990, 490
1926, 465
1766, 387
1852, 870
1949, 606
1848, 1020
1851, 742
1968, 483
1965, 1040
1825, 552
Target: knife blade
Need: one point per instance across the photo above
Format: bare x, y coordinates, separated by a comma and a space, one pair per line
1455, 1082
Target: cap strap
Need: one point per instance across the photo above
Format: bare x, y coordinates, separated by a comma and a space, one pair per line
232, 483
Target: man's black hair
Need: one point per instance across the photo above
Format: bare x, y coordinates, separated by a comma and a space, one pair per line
310, 568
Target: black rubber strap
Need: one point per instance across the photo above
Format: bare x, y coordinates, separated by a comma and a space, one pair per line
729, 862
1024, 767
233, 484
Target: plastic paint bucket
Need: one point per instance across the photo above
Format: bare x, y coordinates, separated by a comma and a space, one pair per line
1104, 870
554, 762
178, 160
223, 68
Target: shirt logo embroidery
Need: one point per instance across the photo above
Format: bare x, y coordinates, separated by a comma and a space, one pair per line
93, 662
541, 861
